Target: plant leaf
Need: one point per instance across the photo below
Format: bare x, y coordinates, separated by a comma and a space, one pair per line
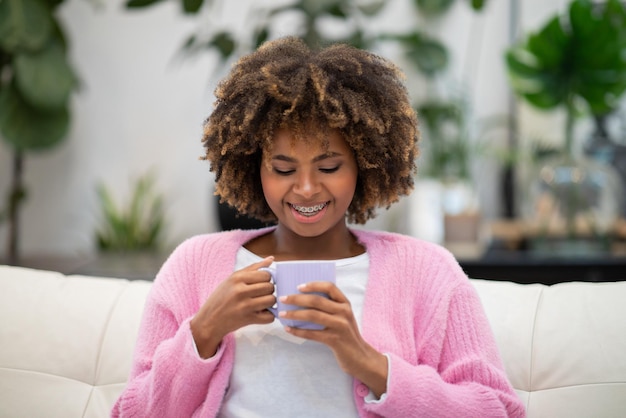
261, 36
522, 63
478, 5
24, 24
545, 99
575, 57
28, 128
134, 4
136, 226
433, 7
319, 7
428, 54
582, 19
224, 43
550, 45
192, 6
45, 78
371, 7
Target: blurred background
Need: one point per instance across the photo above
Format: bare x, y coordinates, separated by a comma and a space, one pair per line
102, 105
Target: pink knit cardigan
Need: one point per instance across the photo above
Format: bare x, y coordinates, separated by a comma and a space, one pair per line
419, 307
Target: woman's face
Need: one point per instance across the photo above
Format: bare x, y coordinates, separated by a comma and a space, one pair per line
309, 187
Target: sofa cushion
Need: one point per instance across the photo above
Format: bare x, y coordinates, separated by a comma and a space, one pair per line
563, 345
71, 341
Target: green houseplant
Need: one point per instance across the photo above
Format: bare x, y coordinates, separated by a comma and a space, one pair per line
135, 226
576, 62
36, 81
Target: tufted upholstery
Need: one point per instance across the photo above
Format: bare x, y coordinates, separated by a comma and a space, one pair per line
563, 346
66, 343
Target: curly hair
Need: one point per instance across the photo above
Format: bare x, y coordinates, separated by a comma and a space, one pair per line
284, 83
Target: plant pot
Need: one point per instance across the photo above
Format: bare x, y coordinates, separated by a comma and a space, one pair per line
572, 206
444, 211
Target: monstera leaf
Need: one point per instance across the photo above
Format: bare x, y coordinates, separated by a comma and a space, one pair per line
574, 58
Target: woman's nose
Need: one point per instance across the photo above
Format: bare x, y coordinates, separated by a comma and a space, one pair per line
306, 184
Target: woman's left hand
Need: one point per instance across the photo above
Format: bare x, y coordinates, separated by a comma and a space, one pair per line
341, 333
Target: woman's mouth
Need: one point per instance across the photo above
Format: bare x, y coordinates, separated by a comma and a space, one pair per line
309, 211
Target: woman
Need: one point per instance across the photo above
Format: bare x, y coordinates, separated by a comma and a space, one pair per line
311, 140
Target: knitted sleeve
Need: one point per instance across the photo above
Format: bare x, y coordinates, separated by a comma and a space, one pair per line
167, 377
467, 380
451, 365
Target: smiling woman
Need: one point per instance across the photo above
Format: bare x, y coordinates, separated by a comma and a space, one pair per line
310, 139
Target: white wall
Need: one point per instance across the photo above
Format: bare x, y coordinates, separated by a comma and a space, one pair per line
140, 109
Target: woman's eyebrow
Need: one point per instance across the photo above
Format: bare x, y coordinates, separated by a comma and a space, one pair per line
286, 158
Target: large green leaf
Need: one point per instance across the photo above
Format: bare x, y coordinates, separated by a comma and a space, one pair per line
44, 78
578, 55
522, 63
24, 24
582, 19
550, 45
27, 128
546, 99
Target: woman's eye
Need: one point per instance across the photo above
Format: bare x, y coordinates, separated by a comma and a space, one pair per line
282, 172
329, 170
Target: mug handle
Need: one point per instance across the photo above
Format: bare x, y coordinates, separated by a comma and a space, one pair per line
272, 272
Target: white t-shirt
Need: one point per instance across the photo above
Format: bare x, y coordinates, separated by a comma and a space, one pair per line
279, 375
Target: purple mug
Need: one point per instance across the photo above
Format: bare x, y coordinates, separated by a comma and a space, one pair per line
288, 275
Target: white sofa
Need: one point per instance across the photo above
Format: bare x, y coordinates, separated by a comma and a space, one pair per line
66, 343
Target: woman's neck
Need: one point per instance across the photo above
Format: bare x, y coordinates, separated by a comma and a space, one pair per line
285, 245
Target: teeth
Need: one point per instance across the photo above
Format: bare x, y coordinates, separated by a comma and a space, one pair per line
309, 209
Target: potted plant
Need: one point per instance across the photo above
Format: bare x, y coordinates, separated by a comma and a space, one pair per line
36, 81
130, 237
575, 61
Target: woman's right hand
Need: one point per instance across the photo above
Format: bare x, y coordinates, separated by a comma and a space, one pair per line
240, 300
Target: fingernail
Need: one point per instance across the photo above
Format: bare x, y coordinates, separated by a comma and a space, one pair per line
282, 298
282, 313
302, 286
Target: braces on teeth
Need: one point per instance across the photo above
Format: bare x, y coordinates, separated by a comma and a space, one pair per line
309, 209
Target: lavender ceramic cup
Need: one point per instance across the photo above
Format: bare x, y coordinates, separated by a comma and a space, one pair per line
288, 275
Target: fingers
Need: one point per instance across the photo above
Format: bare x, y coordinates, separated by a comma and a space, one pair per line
251, 274
266, 262
317, 308
328, 288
